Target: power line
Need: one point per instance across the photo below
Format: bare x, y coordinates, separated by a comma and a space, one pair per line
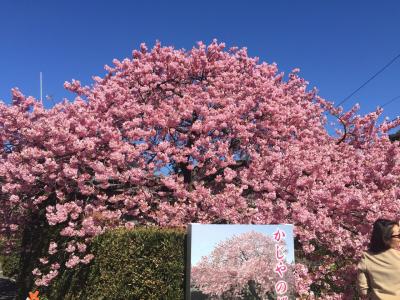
390, 101
370, 79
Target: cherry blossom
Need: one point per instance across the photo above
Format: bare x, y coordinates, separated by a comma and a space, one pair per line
207, 135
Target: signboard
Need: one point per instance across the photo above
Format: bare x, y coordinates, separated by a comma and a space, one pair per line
240, 262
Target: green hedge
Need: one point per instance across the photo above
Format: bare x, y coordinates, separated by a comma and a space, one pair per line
9, 263
142, 263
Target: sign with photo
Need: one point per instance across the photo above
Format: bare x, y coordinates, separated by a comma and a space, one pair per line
240, 262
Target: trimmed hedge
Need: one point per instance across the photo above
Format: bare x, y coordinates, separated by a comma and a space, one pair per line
142, 263
9, 263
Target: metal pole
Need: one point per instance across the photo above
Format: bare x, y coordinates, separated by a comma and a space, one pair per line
41, 87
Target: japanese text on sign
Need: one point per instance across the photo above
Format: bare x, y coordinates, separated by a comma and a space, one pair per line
281, 286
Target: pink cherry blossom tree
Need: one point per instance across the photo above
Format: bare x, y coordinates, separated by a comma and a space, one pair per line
207, 135
241, 267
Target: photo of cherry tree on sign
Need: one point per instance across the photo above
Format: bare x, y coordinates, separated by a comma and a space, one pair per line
248, 262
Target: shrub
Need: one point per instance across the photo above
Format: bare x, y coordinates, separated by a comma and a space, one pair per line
10, 265
143, 263
9, 261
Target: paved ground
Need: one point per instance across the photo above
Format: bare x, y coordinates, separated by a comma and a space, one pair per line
7, 287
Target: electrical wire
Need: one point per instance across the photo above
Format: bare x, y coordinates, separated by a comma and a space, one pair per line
370, 79
390, 101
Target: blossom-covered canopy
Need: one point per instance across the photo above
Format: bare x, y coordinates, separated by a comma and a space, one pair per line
206, 135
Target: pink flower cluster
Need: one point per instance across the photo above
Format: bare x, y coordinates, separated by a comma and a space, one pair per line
47, 279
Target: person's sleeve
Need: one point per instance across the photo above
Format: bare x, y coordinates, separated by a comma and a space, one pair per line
362, 281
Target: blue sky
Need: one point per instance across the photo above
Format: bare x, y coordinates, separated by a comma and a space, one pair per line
204, 237
336, 44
